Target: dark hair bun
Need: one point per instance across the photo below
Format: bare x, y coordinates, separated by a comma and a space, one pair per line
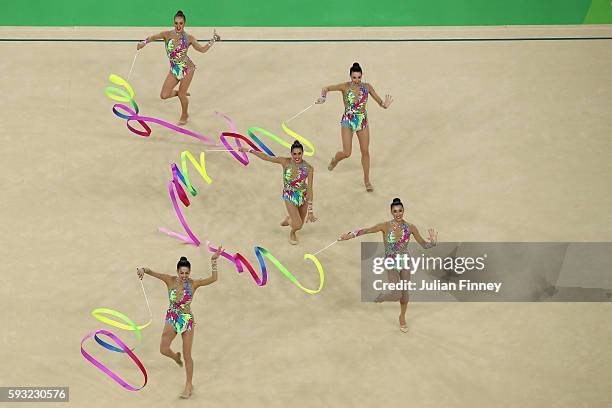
396, 201
180, 14
297, 145
183, 262
355, 68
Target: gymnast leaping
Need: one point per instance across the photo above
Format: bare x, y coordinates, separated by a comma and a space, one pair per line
179, 318
177, 42
355, 119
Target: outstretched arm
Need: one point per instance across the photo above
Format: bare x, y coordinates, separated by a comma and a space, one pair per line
383, 104
161, 276
358, 232
432, 239
155, 37
330, 88
214, 276
263, 156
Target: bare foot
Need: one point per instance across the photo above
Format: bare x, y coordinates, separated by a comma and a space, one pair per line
332, 164
403, 325
183, 120
178, 359
369, 187
285, 222
292, 238
187, 391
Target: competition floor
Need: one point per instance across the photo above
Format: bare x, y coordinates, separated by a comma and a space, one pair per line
486, 141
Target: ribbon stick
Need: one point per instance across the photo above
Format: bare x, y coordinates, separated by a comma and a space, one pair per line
321, 250
299, 113
132, 67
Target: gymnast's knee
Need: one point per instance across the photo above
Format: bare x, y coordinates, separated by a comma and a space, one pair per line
297, 225
165, 95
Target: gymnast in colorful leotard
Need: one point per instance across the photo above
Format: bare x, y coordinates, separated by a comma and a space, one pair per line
396, 235
177, 42
355, 119
297, 187
179, 319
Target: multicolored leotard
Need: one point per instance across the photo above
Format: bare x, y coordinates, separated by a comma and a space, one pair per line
397, 243
295, 189
176, 48
355, 116
179, 312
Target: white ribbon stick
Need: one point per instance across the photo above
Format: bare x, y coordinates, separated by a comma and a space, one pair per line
321, 250
298, 114
132, 67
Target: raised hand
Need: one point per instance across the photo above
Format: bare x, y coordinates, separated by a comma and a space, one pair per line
388, 101
216, 36
140, 272
216, 254
320, 100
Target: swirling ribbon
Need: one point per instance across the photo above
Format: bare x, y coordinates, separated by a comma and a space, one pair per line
108, 372
175, 188
132, 115
99, 314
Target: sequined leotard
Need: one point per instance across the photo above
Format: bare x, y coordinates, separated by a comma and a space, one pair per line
295, 189
397, 245
355, 116
176, 48
179, 312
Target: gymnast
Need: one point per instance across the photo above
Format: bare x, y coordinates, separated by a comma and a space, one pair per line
396, 234
181, 67
297, 192
179, 319
355, 120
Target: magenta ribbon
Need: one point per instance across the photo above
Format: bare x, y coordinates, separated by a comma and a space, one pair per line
104, 369
133, 116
